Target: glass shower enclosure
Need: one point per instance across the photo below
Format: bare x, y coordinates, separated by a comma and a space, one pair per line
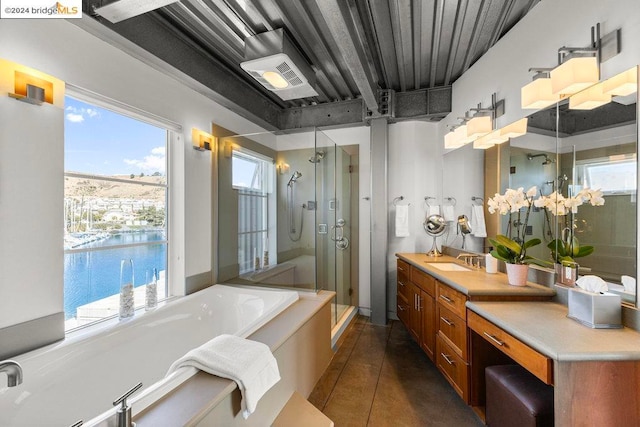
287, 217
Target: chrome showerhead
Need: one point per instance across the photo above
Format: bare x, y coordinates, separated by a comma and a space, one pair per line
317, 157
294, 178
547, 160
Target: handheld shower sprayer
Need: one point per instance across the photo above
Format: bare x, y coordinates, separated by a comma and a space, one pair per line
293, 178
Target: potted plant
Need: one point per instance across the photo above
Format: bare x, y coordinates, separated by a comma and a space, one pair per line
514, 251
565, 250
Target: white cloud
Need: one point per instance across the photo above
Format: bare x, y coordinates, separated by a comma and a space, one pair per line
154, 162
78, 115
75, 118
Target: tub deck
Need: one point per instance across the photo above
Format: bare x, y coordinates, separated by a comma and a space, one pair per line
300, 339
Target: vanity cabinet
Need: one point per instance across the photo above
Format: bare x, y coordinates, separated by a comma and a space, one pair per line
416, 305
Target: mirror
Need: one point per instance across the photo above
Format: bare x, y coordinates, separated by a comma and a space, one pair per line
594, 149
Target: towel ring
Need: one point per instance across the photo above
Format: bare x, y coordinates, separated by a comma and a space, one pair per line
426, 200
451, 200
476, 199
397, 199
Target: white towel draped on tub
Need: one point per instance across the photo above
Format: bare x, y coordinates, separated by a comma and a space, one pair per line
477, 221
402, 220
249, 363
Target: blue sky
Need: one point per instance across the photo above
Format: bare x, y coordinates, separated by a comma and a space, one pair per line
101, 142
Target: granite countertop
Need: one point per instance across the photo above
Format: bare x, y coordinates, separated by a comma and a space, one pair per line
474, 283
545, 327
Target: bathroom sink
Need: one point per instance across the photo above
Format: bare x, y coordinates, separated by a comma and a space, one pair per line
448, 266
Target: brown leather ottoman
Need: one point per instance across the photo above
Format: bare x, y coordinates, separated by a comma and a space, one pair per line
516, 398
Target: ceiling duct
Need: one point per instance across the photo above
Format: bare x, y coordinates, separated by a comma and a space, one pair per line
272, 59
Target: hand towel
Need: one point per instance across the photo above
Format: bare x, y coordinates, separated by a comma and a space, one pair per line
249, 363
448, 213
629, 284
433, 210
402, 220
478, 226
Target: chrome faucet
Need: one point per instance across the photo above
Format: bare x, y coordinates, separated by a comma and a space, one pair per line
468, 259
123, 414
13, 370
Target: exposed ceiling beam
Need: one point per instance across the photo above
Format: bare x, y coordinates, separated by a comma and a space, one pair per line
502, 20
477, 28
147, 39
382, 27
340, 32
423, 104
455, 42
437, 34
417, 42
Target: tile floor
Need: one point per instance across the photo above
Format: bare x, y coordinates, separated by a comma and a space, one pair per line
380, 377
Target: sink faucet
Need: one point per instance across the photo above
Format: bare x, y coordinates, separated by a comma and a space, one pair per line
123, 414
13, 370
468, 259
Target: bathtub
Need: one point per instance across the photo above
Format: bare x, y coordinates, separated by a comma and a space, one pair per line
80, 377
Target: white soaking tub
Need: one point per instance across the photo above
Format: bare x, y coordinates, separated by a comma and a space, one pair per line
79, 378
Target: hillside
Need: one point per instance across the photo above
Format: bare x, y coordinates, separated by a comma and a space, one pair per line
78, 187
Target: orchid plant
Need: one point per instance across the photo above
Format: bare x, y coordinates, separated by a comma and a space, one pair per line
506, 249
568, 247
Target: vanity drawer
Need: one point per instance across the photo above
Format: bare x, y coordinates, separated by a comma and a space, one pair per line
454, 369
424, 281
534, 362
452, 300
403, 279
454, 329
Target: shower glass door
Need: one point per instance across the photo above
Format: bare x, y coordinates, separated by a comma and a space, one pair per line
333, 222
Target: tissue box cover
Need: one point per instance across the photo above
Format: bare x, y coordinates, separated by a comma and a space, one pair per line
595, 310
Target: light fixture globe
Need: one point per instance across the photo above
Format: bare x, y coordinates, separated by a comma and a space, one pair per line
435, 226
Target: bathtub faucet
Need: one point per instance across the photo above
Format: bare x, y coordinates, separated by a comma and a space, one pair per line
13, 370
123, 413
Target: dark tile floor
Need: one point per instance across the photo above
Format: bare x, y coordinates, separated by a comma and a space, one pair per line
380, 377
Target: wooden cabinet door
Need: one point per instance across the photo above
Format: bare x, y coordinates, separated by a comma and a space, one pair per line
429, 324
415, 321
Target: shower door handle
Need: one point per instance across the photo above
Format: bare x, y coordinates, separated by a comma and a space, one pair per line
337, 235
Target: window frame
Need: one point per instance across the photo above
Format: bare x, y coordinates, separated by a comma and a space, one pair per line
173, 132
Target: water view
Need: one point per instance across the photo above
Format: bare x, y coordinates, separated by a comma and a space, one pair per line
91, 276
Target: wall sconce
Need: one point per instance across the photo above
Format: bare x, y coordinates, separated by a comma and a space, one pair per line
478, 126
574, 75
283, 168
538, 93
202, 141
489, 140
515, 129
578, 68
590, 98
29, 85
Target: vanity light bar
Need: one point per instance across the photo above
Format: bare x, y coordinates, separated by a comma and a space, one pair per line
515, 129
537, 94
478, 126
574, 75
623, 84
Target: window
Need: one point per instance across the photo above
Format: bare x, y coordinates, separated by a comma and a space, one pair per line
115, 208
612, 175
253, 177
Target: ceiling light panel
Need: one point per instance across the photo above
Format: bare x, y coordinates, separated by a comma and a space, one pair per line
125, 9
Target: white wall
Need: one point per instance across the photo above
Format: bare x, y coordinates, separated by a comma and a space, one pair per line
63, 50
415, 171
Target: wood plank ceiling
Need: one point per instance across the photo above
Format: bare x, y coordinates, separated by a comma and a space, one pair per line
355, 47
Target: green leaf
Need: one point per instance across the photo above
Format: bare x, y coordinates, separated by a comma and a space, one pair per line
532, 242
508, 243
496, 255
583, 251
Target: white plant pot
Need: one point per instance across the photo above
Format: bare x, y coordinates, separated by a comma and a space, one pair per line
517, 274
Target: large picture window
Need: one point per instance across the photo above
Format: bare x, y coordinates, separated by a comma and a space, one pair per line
253, 177
115, 208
